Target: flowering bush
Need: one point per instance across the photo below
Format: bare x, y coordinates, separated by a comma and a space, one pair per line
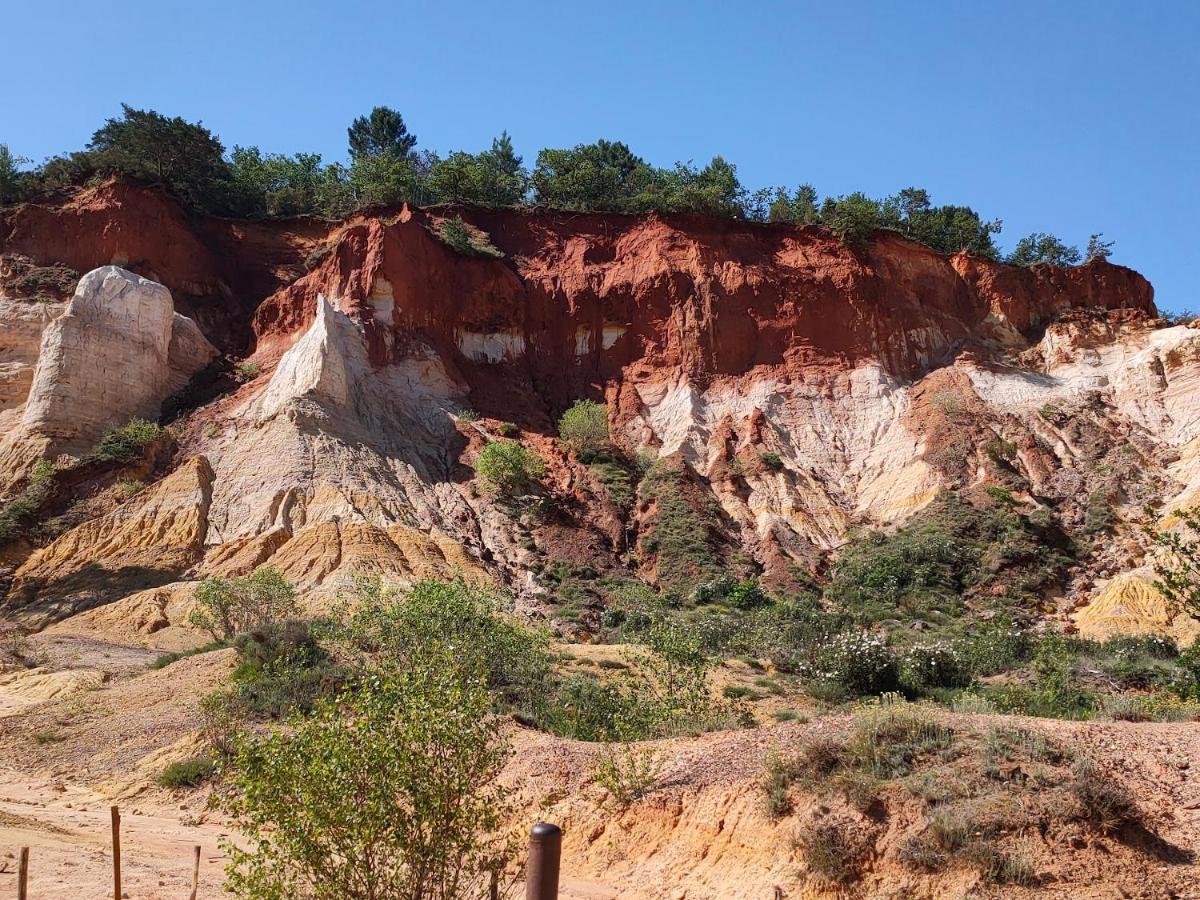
858, 662
934, 665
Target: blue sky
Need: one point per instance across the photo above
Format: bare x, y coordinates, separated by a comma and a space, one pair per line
1069, 117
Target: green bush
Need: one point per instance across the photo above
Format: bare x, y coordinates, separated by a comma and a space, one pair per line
226, 607
466, 239
125, 444
391, 629
188, 773
393, 787
584, 427
281, 669
858, 663
507, 468
680, 536
771, 461
934, 666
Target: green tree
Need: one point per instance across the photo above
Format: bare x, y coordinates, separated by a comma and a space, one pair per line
495, 177
11, 177
184, 157
948, 229
1098, 248
855, 217
799, 208
382, 133
713, 190
383, 180
226, 607
389, 793
604, 176
584, 427
507, 468
1039, 247
277, 185
1178, 568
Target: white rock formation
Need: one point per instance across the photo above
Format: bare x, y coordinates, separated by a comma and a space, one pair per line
117, 351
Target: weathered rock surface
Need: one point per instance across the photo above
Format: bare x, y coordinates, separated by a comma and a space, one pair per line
150, 540
117, 351
873, 379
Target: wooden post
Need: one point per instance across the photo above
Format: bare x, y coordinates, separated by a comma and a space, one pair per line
23, 875
196, 875
541, 872
116, 841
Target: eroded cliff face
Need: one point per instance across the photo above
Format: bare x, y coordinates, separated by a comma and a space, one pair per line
794, 388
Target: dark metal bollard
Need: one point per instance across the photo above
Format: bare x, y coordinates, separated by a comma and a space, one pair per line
541, 873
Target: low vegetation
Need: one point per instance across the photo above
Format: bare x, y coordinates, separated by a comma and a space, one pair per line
975, 796
584, 428
466, 239
508, 469
188, 773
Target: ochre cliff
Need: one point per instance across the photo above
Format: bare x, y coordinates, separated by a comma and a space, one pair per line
380, 360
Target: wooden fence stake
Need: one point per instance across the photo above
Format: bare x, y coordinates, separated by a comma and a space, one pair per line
23, 875
116, 842
196, 875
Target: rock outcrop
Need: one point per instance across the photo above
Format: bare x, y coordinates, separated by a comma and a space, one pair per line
117, 351
871, 379
114, 353
148, 541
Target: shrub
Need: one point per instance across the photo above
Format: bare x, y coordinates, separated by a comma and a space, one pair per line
247, 371
226, 607
584, 427
771, 461
833, 849
934, 666
507, 468
1102, 802
889, 734
680, 536
391, 629
165, 659
466, 239
858, 663
125, 444
281, 668
995, 646
742, 594
508, 429
188, 773
628, 773
389, 793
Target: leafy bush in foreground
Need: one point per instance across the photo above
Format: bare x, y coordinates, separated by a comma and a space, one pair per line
388, 793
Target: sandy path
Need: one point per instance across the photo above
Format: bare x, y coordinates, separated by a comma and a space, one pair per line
67, 829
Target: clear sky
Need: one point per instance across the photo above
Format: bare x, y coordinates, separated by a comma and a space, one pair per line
1066, 116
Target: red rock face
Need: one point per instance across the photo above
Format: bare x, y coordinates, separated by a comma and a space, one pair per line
589, 298
217, 270
593, 298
